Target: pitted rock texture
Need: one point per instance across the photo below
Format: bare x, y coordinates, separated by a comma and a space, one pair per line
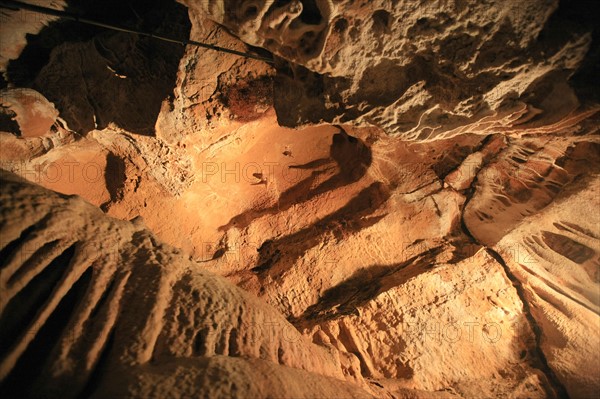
459, 260
375, 247
419, 70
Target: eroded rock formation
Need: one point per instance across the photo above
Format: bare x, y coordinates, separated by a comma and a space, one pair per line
420, 70
104, 301
441, 239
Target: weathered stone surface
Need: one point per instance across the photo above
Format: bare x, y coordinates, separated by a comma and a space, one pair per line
419, 70
112, 310
555, 257
452, 251
16, 24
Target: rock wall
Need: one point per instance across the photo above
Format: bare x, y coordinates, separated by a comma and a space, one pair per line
451, 250
95, 306
419, 70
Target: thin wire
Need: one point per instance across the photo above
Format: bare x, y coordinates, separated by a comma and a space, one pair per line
17, 5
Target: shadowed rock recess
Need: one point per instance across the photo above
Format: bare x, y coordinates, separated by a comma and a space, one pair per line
403, 204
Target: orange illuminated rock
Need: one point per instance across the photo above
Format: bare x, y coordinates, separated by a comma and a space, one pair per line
402, 206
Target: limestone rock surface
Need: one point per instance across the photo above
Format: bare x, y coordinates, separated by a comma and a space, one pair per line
101, 307
404, 205
419, 70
